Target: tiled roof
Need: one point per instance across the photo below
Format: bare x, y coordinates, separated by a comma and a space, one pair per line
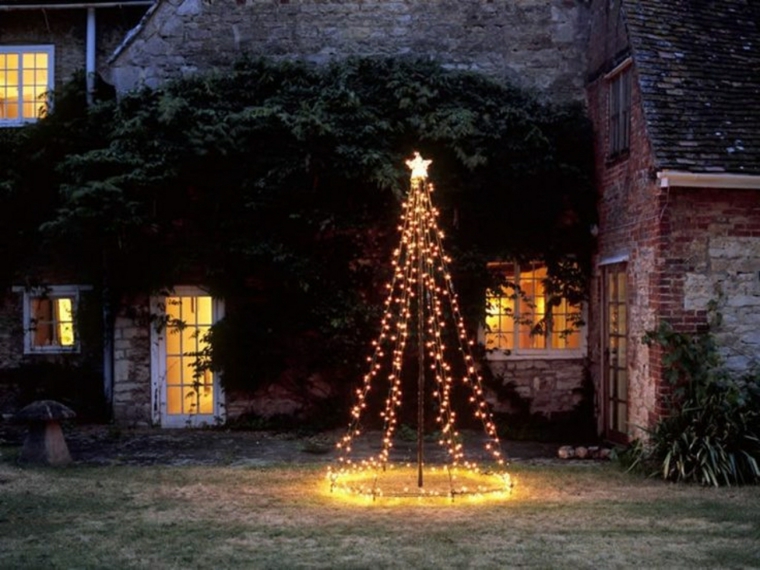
698, 63
61, 3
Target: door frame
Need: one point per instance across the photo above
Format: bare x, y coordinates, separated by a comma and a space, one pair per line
158, 364
609, 391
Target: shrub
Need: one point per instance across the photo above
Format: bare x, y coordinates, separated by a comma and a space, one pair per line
711, 433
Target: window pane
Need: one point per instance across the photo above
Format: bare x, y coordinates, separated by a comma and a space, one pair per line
173, 370
65, 318
206, 395
42, 322
172, 308
189, 372
201, 338
190, 400
500, 321
622, 385
203, 306
11, 111
189, 340
619, 111
174, 400
172, 341
622, 414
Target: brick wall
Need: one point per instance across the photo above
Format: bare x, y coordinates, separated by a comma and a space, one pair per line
537, 43
630, 208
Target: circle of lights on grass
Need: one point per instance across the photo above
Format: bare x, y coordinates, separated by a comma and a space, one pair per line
421, 309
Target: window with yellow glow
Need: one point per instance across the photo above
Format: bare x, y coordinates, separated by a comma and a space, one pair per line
522, 317
50, 318
189, 388
26, 77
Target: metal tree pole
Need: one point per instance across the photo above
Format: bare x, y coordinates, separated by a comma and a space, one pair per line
417, 187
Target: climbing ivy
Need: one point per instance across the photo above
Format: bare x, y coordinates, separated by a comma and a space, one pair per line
278, 185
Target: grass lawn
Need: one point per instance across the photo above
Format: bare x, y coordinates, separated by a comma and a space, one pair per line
571, 515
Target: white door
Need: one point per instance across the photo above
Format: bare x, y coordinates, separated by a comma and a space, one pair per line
184, 395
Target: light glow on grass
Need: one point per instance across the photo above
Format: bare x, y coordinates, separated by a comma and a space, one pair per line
397, 485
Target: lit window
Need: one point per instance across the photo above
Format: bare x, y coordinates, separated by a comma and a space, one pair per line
26, 77
189, 389
50, 319
620, 110
521, 317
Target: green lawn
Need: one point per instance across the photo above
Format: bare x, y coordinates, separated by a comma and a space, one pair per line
570, 515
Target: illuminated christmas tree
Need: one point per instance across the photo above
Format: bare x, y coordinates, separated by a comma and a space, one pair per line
421, 311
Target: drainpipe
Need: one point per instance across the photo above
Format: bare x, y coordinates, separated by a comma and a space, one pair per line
108, 336
90, 55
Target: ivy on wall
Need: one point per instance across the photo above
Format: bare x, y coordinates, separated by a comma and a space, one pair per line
277, 184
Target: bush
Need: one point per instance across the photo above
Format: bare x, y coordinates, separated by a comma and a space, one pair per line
711, 433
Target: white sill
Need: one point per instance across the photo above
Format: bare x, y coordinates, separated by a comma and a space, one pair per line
500, 355
17, 123
52, 350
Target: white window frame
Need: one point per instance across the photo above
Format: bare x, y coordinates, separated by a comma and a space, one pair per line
518, 353
160, 416
49, 49
51, 292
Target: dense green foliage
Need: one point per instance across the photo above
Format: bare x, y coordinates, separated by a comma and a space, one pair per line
711, 433
278, 184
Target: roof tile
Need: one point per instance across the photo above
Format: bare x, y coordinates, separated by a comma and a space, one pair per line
698, 64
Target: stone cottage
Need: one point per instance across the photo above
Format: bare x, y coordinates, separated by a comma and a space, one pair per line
677, 165
537, 44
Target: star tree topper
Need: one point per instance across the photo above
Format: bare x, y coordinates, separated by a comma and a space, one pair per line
419, 166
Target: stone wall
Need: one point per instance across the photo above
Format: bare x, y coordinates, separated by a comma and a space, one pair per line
132, 377
11, 330
715, 262
535, 43
551, 385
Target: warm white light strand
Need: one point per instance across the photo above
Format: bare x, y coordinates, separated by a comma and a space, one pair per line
419, 261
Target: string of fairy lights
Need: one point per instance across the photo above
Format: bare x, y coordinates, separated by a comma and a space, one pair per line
421, 289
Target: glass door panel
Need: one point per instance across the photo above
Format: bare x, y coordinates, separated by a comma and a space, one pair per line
189, 394
615, 353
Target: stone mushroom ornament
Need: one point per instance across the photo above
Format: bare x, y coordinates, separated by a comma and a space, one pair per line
44, 443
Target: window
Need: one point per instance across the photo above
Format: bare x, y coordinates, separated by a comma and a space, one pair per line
620, 108
522, 318
50, 319
26, 77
